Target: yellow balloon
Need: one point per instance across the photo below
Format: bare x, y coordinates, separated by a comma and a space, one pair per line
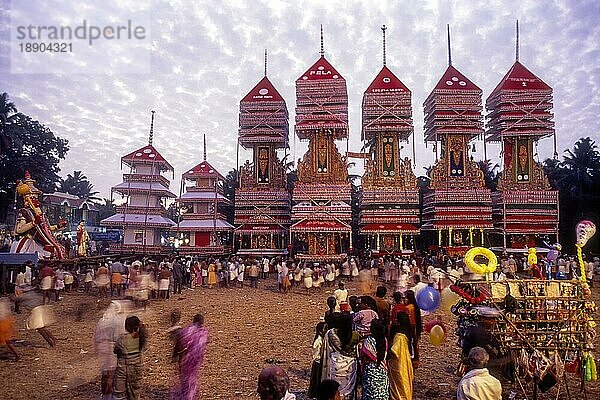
477, 268
532, 256
437, 335
449, 298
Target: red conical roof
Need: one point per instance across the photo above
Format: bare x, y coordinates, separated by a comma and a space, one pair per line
322, 69
386, 81
202, 170
453, 79
147, 154
263, 91
520, 78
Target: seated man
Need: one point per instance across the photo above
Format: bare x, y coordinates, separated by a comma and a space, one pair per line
478, 384
273, 384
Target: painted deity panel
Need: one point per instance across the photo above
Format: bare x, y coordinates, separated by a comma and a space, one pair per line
456, 156
388, 159
322, 154
523, 160
263, 163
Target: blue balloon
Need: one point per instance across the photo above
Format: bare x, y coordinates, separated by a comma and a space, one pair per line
552, 255
428, 299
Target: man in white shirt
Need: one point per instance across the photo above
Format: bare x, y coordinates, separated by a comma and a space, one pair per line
341, 296
265, 270
418, 285
478, 384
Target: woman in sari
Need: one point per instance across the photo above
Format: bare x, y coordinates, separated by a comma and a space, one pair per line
212, 275
400, 368
339, 356
191, 347
407, 303
375, 383
315, 372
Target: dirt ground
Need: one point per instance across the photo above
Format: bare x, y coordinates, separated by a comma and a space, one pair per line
249, 328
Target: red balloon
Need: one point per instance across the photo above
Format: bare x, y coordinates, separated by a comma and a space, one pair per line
429, 325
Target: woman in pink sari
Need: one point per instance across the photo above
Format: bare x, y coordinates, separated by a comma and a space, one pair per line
190, 348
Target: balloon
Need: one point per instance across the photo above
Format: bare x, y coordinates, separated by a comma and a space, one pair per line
449, 298
437, 335
532, 257
429, 325
477, 268
584, 231
552, 256
428, 299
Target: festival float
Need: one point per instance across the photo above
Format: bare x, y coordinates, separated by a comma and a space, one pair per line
539, 332
262, 201
525, 209
458, 207
389, 202
321, 211
143, 218
201, 229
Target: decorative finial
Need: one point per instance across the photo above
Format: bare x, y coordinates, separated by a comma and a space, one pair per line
383, 28
322, 49
265, 62
517, 43
449, 48
151, 136
204, 147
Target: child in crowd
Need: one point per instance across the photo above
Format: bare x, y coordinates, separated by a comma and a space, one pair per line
128, 349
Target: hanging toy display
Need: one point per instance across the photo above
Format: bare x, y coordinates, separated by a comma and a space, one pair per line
590, 372
477, 268
532, 262
554, 252
584, 231
544, 326
468, 292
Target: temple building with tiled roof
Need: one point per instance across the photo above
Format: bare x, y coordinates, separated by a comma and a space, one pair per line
458, 206
519, 115
321, 211
262, 201
143, 217
389, 202
202, 229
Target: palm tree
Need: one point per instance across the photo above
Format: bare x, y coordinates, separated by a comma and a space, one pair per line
78, 185
7, 118
581, 171
553, 171
490, 173
107, 209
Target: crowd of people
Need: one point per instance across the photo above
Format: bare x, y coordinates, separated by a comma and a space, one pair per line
366, 346
146, 278
369, 346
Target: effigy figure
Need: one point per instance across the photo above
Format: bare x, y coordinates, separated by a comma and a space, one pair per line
33, 226
82, 239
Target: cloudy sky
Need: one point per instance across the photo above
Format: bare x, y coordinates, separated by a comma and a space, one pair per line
206, 55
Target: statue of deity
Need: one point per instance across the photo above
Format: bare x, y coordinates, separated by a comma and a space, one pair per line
82, 239
33, 226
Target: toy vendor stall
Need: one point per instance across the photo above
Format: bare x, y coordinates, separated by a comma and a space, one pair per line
544, 328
